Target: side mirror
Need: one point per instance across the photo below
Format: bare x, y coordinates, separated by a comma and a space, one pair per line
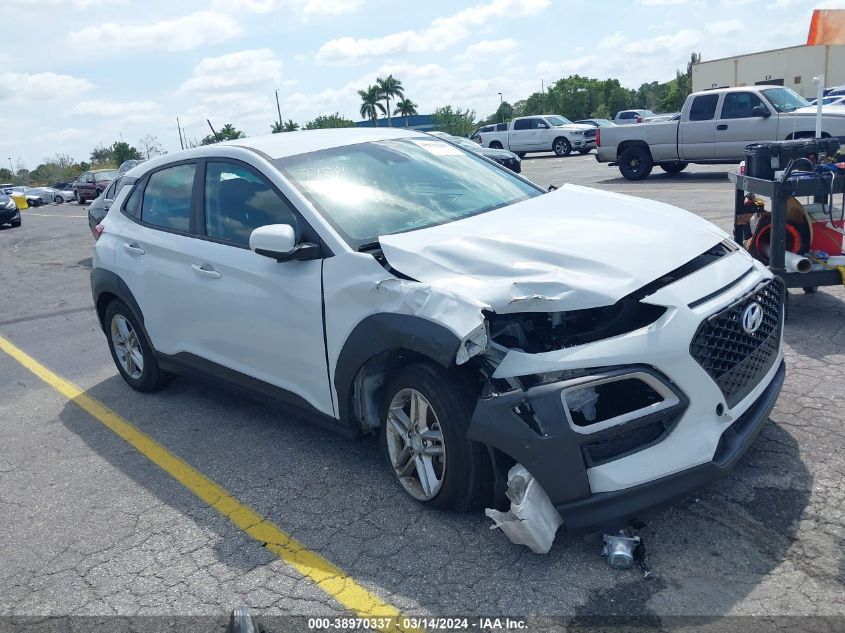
278, 241
761, 110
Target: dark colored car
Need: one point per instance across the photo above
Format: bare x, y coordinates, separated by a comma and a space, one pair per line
501, 156
61, 186
91, 184
101, 205
9, 212
596, 122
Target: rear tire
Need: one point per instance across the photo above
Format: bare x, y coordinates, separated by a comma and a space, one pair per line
586, 150
58, 199
674, 168
425, 416
131, 351
562, 146
635, 163
521, 154
810, 290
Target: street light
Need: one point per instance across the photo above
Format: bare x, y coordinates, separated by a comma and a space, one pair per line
279, 108
501, 111
11, 169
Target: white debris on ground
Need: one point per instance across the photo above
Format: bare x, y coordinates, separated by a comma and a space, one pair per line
532, 519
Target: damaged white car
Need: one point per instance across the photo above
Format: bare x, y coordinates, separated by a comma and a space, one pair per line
623, 351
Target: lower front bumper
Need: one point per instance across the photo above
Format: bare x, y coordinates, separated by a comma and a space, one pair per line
7, 215
612, 510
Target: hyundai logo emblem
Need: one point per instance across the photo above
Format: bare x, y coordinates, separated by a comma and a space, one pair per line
752, 317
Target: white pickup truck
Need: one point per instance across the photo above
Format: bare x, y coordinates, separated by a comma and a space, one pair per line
542, 133
715, 126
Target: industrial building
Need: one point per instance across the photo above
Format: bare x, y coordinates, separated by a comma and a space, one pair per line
793, 67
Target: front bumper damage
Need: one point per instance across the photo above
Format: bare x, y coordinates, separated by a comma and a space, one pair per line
602, 475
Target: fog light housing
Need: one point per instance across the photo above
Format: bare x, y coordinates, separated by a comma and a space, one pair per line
619, 550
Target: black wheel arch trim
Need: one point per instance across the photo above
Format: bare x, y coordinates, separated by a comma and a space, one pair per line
386, 332
105, 281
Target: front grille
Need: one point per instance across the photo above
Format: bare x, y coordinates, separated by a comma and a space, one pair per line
590, 133
733, 358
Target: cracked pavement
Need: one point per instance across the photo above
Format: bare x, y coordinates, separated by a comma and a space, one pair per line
91, 527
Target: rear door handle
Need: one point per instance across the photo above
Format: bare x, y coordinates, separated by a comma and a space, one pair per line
206, 270
133, 248
723, 126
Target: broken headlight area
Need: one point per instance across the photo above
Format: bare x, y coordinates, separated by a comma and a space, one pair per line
537, 332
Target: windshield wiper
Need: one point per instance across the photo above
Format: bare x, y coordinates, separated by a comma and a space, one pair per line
366, 247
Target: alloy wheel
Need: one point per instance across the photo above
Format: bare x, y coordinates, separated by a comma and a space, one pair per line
415, 444
127, 347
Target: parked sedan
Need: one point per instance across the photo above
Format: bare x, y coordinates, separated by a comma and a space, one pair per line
9, 212
92, 183
596, 122
47, 195
501, 156
27, 193
101, 205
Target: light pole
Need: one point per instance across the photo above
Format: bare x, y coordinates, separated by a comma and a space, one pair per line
279, 108
501, 111
11, 169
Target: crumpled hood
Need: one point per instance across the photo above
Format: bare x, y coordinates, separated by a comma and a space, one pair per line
573, 248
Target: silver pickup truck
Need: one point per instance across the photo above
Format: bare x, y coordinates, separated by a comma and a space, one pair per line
715, 126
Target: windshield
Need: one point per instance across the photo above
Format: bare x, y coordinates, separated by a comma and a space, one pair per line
558, 120
105, 175
784, 99
391, 186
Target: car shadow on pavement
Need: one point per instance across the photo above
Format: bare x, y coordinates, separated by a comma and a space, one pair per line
658, 177
338, 498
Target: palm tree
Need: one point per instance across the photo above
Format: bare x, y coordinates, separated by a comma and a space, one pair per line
291, 126
406, 108
390, 87
276, 127
371, 103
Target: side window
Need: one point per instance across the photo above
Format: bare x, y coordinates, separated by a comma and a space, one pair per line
537, 124
132, 207
87, 177
501, 127
167, 198
739, 105
239, 200
703, 108
522, 124
627, 115
111, 192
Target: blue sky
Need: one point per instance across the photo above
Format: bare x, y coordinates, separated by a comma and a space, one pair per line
78, 73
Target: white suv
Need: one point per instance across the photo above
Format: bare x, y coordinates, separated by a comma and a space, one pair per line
393, 283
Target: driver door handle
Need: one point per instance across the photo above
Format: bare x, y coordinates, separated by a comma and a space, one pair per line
133, 248
206, 270
722, 126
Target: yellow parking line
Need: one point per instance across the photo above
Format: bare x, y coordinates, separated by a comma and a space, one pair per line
310, 564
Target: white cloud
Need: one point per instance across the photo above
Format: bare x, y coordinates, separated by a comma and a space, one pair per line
178, 34
129, 112
305, 8
235, 70
238, 108
681, 43
18, 6
552, 71
40, 86
612, 41
485, 49
442, 33
725, 27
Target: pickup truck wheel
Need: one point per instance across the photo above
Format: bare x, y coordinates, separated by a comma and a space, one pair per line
635, 163
496, 145
562, 147
674, 168
585, 150
521, 154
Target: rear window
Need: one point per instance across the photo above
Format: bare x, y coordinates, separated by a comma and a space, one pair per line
102, 176
522, 124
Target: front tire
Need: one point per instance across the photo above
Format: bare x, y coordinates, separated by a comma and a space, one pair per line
132, 353
425, 417
15, 224
58, 199
635, 163
562, 147
674, 168
496, 145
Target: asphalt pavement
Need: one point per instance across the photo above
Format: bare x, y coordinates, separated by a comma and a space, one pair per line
93, 527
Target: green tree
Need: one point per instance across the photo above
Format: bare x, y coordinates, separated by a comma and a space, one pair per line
123, 151
390, 88
101, 154
226, 133
276, 127
454, 120
329, 121
288, 126
680, 87
6, 175
405, 108
371, 104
